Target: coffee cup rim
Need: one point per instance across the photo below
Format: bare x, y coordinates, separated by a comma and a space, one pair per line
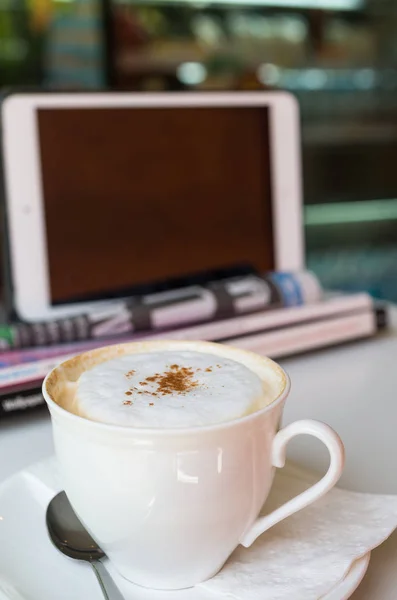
57, 409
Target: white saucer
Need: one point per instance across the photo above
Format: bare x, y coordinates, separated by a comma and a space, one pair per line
32, 569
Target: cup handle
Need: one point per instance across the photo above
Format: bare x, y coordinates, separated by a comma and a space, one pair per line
316, 491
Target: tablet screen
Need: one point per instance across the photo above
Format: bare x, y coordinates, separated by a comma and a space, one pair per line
138, 196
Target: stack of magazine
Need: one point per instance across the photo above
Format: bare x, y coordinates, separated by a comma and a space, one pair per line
277, 314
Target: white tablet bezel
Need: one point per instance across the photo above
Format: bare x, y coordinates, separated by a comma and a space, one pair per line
23, 188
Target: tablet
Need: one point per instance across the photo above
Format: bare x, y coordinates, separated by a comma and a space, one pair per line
109, 194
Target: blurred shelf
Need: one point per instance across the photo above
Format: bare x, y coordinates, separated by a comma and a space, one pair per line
329, 80
333, 5
349, 133
158, 61
369, 211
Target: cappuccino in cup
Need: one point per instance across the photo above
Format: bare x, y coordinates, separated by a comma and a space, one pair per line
167, 452
171, 388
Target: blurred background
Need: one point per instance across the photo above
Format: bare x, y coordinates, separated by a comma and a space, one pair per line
339, 57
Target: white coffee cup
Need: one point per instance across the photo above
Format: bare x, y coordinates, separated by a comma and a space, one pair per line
169, 506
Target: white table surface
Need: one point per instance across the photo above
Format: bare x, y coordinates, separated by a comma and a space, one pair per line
352, 388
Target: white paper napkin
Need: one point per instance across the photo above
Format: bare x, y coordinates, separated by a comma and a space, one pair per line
305, 556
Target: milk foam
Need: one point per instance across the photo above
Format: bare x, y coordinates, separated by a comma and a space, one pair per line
174, 388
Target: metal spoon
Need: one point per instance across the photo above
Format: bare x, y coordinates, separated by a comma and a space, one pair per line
70, 537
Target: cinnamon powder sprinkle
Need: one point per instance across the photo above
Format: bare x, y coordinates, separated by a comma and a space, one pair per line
176, 379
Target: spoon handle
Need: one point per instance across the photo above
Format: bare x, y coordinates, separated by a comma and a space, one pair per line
108, 587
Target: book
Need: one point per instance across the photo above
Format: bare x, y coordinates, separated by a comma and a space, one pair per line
310, 336
22, 390
212, 301
212, 331
31, 366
